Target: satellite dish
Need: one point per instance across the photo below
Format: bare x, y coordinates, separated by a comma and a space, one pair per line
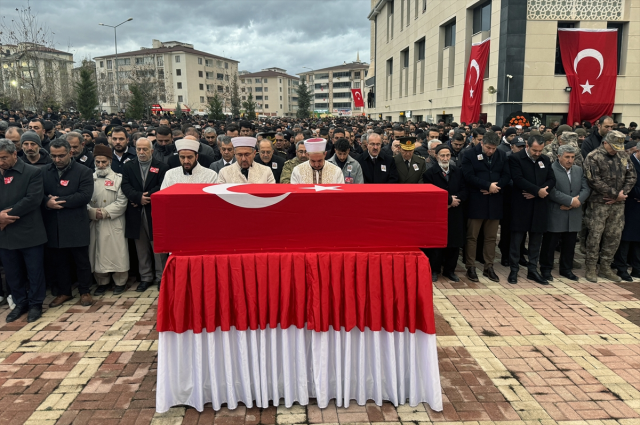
491, 90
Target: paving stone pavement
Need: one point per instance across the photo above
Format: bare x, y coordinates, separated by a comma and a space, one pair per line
566, 354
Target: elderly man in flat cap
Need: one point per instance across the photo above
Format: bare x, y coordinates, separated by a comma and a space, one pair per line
189, 171
245, 169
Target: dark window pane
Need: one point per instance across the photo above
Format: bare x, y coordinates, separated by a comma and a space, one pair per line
559, 68
619, 27
486, 17
421, 44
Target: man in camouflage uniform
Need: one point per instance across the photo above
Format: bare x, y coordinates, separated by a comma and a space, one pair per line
611, 176
566, 138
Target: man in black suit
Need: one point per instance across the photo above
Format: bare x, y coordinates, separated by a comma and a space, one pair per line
141, 178
376, 166
533, 178
22, 233
68, 187
266, 157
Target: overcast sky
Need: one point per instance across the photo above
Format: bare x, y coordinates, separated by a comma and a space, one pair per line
289, 34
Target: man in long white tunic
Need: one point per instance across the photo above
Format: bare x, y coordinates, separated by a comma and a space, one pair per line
245, 169
316, 170
189, 171
108, 251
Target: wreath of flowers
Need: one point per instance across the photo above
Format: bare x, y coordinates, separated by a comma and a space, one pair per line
519, 120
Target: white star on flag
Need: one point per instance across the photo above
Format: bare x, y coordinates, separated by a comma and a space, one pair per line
321, 188
471, 90
586, 88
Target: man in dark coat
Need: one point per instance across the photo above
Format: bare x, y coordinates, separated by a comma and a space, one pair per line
79, 152
533, 178
68, 187
411, 167
122, 153
447, 176
594, 140
486, 173
140, 179
628, 253
266, 157
376, 166
22, 233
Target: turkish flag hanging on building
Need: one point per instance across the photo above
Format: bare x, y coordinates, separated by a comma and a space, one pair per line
472, 94
590, 60
358, 101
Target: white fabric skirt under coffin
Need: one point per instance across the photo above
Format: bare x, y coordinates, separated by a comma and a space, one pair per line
295, 365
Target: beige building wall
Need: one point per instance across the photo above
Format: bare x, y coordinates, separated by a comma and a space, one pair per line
273, 90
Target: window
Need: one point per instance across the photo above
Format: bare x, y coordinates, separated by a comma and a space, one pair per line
266, 89
147, 60
280, 89
390, 66
342, 74
161, 74
420, 47
424, 6
266, 106
257, 80
180, 98
177, 59
179, 85
321, 76
101, 64
343, 105
266, 98
208, 62
345, 94
226, 65
226, 77
265, 81
244, 97
160, 60
482, 18
110, 76
220, 77
201, 98
220, 89
280, 80
109, 64
405, 58
280, 97
356, 85
450, 34
356, 74
209, 87
258, 89
321, 105
390, 6
210, 75
219, 64
620, 28
258, 97
199, 61
409, 10
345, 84
178, 72
200, 74
559, 68
124, 62
201, 86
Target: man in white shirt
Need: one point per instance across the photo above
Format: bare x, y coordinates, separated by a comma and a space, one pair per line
316, 170
245, 169
189, 171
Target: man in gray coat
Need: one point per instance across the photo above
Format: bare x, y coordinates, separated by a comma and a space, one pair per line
564, 213
350, 167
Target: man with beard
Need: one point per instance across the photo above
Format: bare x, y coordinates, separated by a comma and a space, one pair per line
108, 250
79, 153
533, 179
68, 187
457, 147
189, 171
267, 158
594, 140
245, 169
448, 176
410, 167
89, 144
32, 149
301, 156
317, 170
376, 166
140, 179
122, 153
509, 135
164, 148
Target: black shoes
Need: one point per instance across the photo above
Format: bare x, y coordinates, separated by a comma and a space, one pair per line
434, 277
488, 272
143, 286
569, 275
504, 262
513, 277
34, 314
535, 276
117, 290
451, 276
624, 275
100, 290
471, 274
16, 313
547, 276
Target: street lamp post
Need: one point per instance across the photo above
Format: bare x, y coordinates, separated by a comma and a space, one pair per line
115, 38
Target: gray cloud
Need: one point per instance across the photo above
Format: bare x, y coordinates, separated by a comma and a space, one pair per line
289, 34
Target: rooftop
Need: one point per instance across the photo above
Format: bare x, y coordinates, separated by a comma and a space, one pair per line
161, 50
344, 66
264, 73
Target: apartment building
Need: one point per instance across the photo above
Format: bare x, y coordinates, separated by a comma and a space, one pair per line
420, 51
34, 76
274, 91
177, 72
331, 87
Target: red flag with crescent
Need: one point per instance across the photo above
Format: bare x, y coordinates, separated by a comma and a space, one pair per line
590, 60
358, 101
473, 82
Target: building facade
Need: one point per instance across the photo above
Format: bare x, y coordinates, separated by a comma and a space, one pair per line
421, 48
177, 72
35, 77
331, 88
274, 92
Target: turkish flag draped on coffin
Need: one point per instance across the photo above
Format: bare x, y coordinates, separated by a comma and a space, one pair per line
590, 60
358, 101
472, 94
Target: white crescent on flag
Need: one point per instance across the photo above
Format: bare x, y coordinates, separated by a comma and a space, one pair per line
243, 200
589, 53
474, 65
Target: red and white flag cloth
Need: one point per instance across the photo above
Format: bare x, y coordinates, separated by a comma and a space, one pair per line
590, 60
358, 101
294, 326
474, 80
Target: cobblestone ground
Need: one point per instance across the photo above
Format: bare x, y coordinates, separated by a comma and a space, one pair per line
567, 354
